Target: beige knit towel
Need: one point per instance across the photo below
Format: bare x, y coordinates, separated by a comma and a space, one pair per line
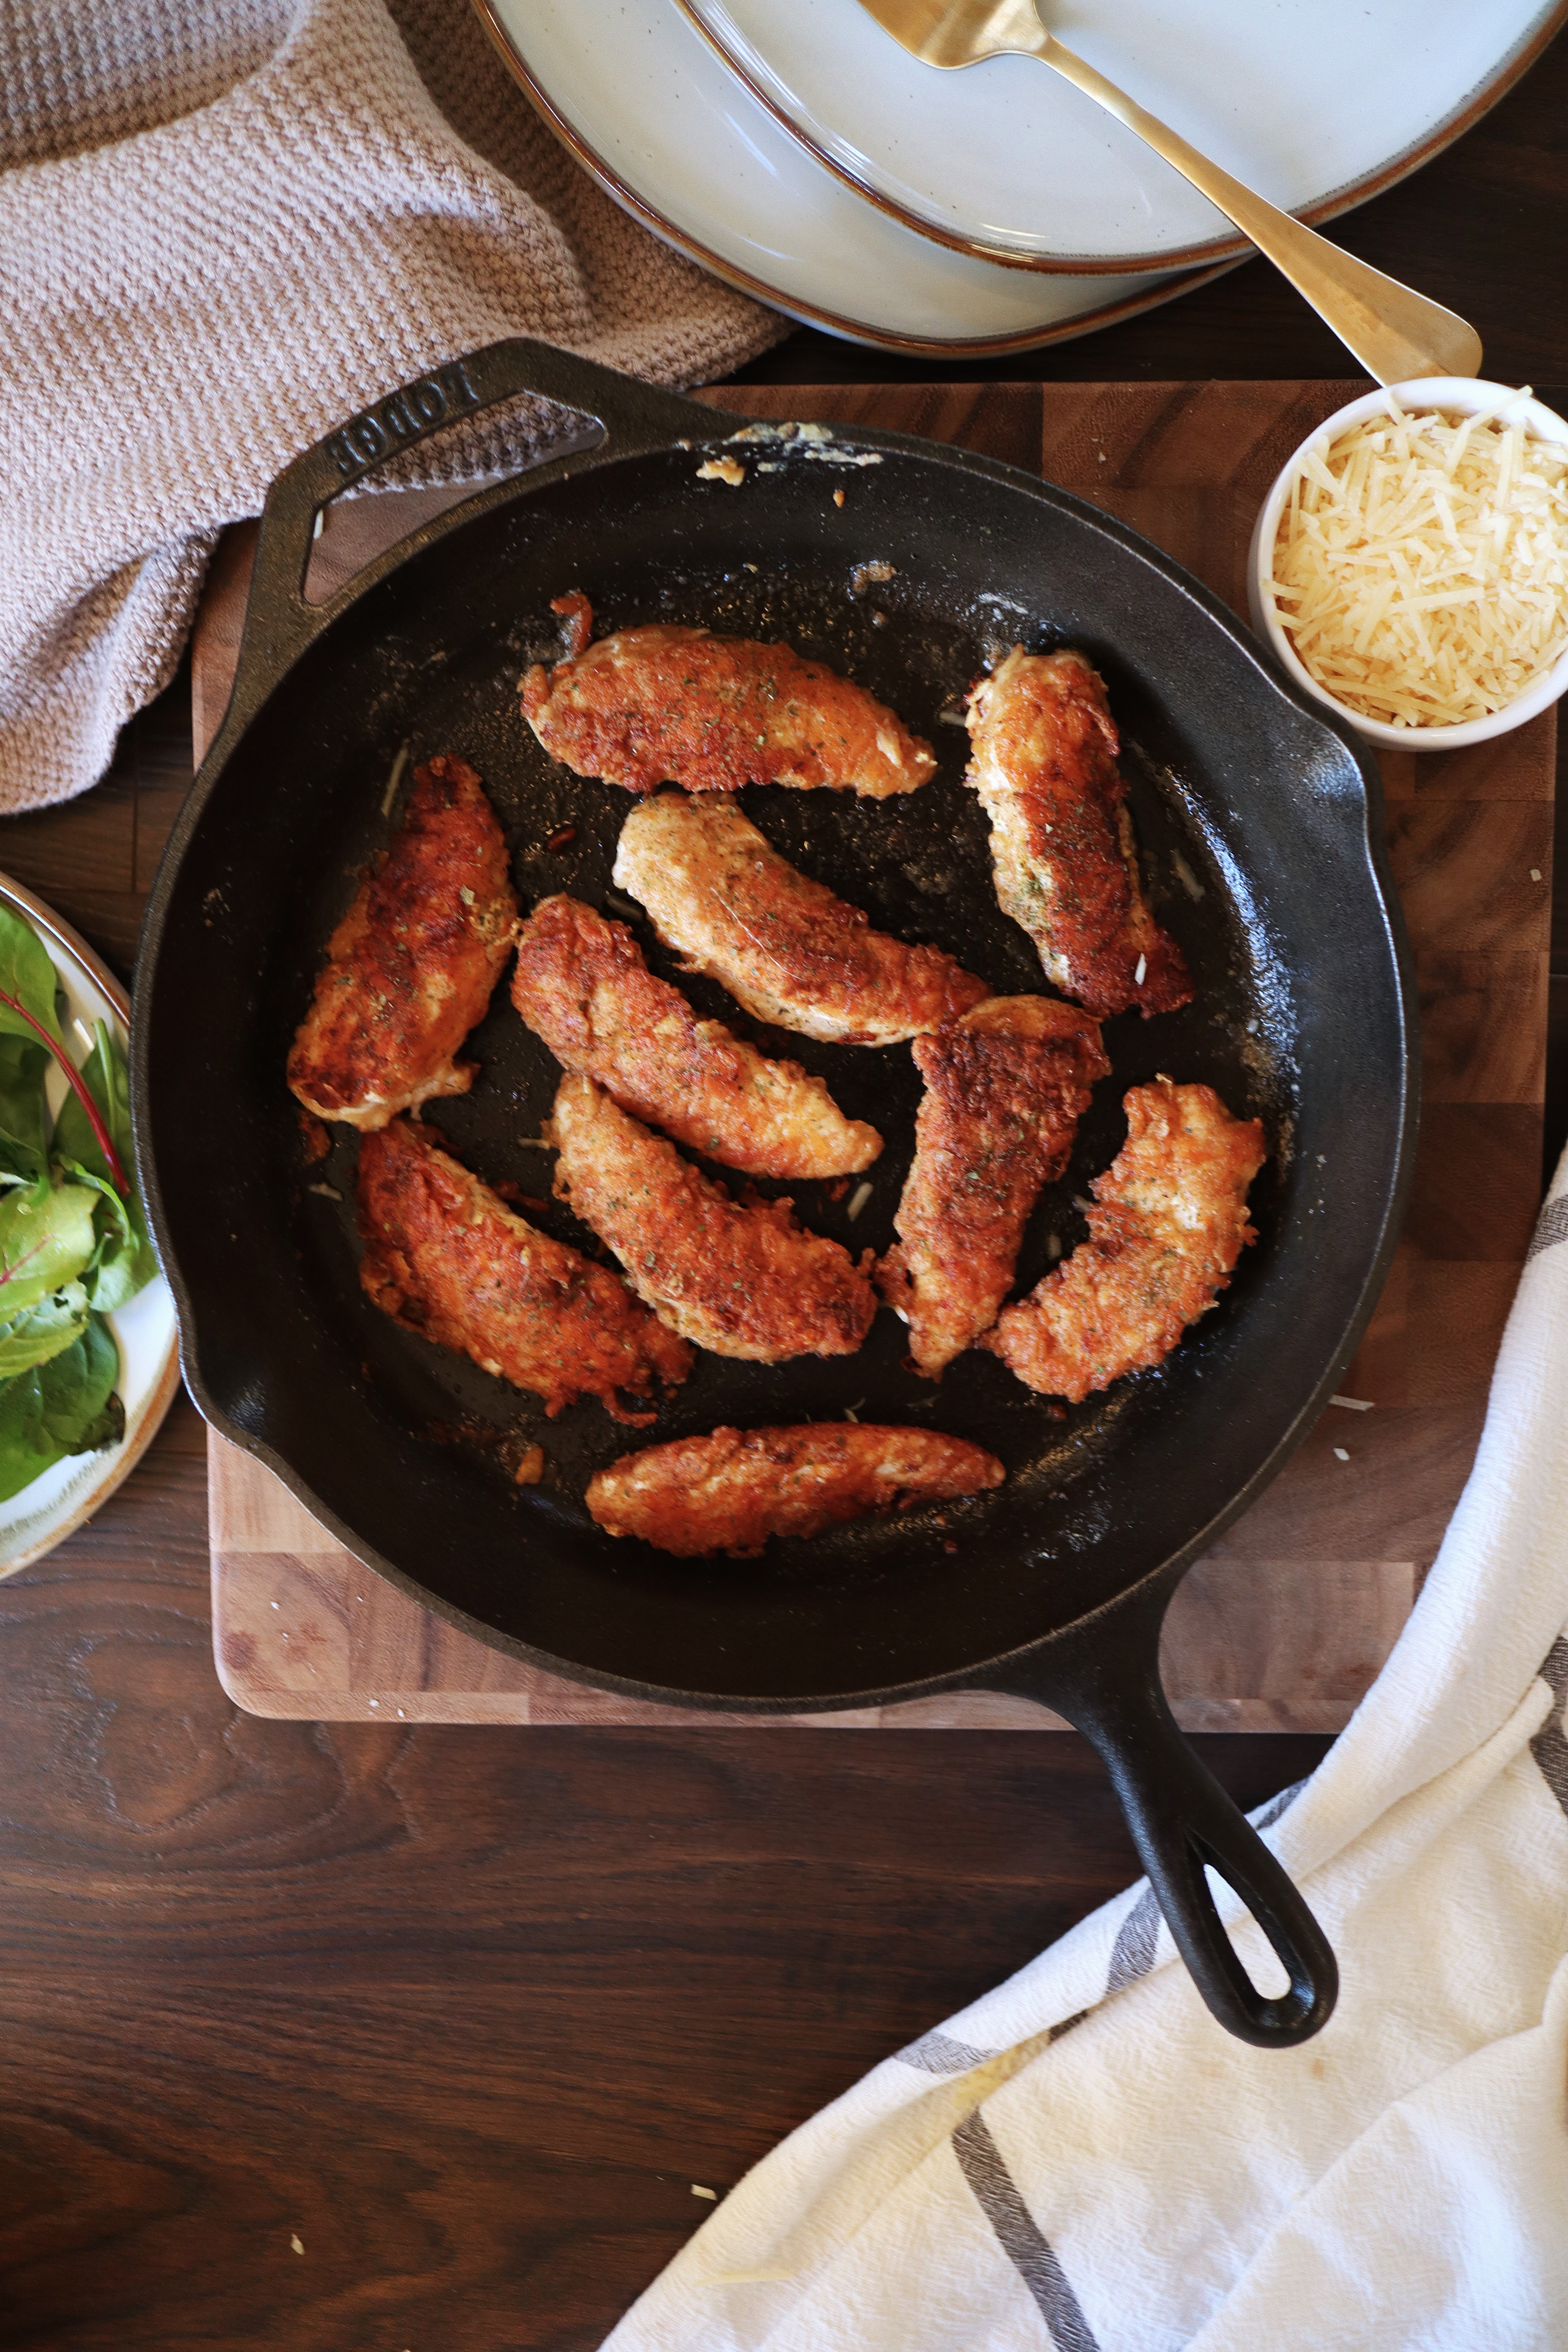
223, 225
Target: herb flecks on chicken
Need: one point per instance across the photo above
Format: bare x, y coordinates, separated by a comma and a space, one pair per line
1169, 1224
582, 984
411, 967
1006, 1087
665, 704
784, 946
444, 1256
732, 1489
1044, 762
742, 1278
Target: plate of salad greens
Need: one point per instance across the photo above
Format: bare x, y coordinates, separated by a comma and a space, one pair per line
89, 1344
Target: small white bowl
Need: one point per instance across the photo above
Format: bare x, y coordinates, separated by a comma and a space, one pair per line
1459, 396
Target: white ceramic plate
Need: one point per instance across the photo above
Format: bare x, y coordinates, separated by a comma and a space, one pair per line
646, 103
1315, 103
45, 1513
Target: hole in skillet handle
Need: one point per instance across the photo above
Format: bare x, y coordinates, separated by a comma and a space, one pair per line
1103, 1675
623, 417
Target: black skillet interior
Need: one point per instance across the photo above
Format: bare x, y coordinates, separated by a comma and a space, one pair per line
1253, 817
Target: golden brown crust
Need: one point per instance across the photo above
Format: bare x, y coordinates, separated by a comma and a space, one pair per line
1044, 749
1170, 1224
410, 968
742, 1280
445, 1257
731, 1490
582, 984
1006, 1087
670, 705
783, 945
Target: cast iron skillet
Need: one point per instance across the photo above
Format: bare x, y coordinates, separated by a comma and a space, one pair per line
1262, 828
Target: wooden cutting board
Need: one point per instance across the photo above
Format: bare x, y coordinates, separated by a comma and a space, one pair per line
1283, 1625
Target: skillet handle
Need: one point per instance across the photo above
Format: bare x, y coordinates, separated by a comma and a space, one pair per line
621, 415
1181, 1819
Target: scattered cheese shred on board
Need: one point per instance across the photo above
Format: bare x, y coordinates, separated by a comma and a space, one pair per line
1420, 568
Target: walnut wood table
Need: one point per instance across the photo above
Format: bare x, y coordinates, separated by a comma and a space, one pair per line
466, 2012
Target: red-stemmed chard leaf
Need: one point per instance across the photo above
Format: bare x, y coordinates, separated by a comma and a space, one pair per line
78, 1087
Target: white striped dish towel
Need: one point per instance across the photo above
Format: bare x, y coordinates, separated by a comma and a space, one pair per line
1084, 2160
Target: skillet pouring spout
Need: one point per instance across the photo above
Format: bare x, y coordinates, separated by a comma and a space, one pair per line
1260, 814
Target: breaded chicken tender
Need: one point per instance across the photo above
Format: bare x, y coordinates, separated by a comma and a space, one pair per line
581, 985
410, 968
784, 947
1044, 749
1170, 1224
1006, 1087
670, 705
731, 1491
742, 1280
445, 1257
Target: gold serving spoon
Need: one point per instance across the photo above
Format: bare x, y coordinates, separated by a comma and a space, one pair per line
1395, 332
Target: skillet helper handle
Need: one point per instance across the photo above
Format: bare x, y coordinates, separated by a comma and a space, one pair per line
1181, 1819
623, 417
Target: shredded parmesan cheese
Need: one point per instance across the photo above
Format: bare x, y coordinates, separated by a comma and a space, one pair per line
1420, 568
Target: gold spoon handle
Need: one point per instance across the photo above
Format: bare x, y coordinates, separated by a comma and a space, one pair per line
1395, 332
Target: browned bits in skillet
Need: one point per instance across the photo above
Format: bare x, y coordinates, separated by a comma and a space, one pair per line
508, 1189
577, 614
783, 945
670, 705
1169, 1224
562, 837
315, 1137
581, 985
1044, 764
740, 1279
731, 1490
444, 1256
411, 967
1005, 1086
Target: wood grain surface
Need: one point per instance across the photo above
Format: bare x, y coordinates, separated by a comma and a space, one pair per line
1283, 1626
466, 2010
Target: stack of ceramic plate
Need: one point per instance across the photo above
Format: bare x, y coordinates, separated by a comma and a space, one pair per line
796, 149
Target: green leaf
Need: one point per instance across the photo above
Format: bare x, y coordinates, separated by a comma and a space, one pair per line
26, 973
65, 1406
44, 1244
124, 1262
44, 1330
24, 1112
